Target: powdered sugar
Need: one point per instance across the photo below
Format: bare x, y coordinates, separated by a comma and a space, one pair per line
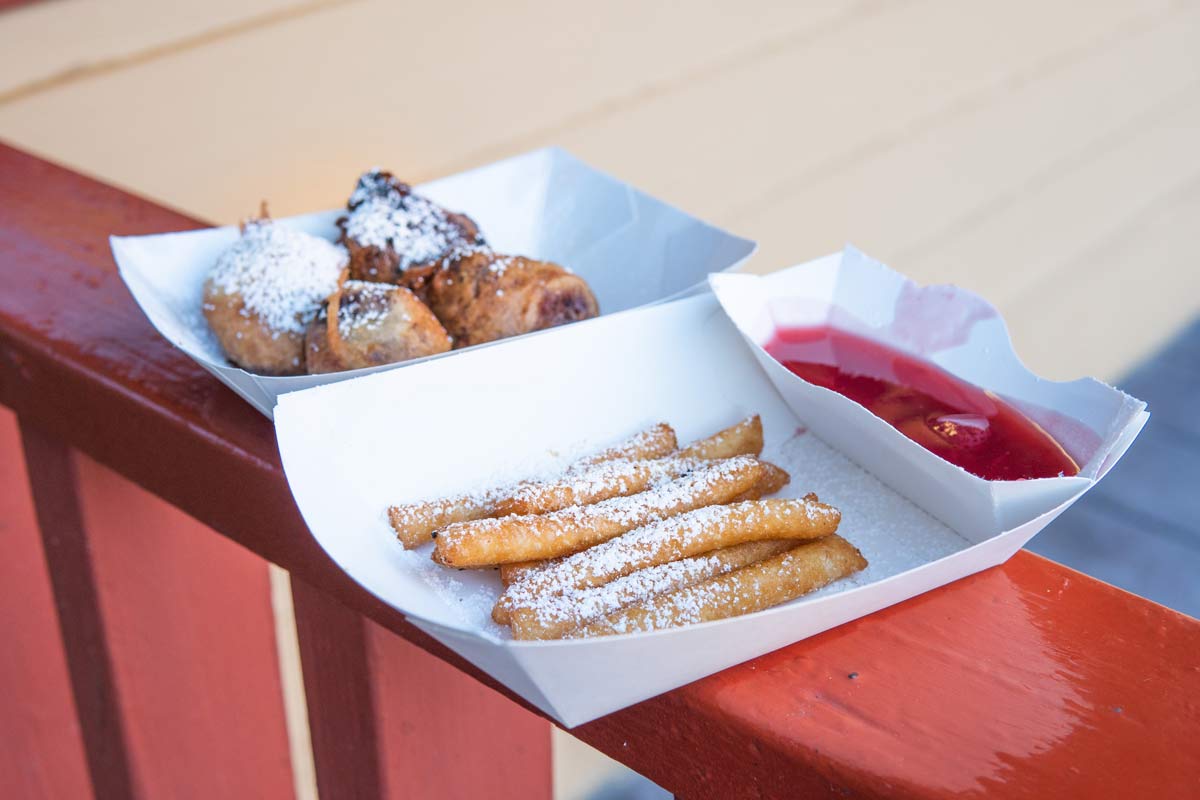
893, 534
282, 275
672, 538
552, 467
365, 305
385, 213
759, 586
574, 607
609, 517
606, 479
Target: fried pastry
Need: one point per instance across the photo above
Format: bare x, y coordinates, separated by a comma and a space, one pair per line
690, 534
415, 522
803, 569
376, 323
504, 540
654, 442
552, 616
389, 229
744, 438
481, 296
771, 481
264, 290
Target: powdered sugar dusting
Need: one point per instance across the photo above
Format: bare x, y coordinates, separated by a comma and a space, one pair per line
384, 213
552, 467
283, 275
365, 305
624, 513
892, 533
739, 589
606, 479
670, 538
574, 607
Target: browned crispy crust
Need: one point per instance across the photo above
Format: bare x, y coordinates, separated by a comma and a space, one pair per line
401, 328
246, 339
482, 296
385, 264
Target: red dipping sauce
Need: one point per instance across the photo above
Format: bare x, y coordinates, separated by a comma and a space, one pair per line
961, 423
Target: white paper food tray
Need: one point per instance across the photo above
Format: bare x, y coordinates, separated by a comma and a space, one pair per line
631, 249
493, 415
954, 329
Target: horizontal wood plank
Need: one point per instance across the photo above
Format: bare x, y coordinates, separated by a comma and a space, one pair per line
459, 83
91, 36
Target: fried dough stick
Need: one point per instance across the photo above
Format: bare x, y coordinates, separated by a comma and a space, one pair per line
746, 437
774, 480
520, 570
797, 572
617, 478
555, 615
600, 482
671, 539
415, 522
522, 538
654, 442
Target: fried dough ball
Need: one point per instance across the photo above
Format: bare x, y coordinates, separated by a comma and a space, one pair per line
377, 323
481, 296
389, 229
264, 290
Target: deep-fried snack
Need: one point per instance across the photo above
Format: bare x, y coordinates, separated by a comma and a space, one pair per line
744, 438
772, 481
481, 296
600, 482
415, 522
654, 442
797, 572
365, 324
519, 570
503, 540
619, 479
264, 290
389, 229
671, 539
554, 615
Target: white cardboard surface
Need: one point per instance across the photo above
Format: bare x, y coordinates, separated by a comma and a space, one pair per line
490, 416
630, 248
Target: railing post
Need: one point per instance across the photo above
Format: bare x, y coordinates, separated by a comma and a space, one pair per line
389, 720
43, 753
53, 482
168, 635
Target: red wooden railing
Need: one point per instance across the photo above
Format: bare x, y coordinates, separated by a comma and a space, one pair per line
1026, 680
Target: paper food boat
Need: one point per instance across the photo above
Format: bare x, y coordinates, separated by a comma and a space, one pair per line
631, 249
493, 415
956, 330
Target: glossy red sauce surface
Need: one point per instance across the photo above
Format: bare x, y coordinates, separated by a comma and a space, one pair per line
963, 424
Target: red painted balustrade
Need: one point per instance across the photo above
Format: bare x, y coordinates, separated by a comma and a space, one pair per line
139, 653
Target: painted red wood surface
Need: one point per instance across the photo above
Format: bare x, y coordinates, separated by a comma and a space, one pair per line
41, 750
391, 720
1006, 683
6, 5
169, 637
